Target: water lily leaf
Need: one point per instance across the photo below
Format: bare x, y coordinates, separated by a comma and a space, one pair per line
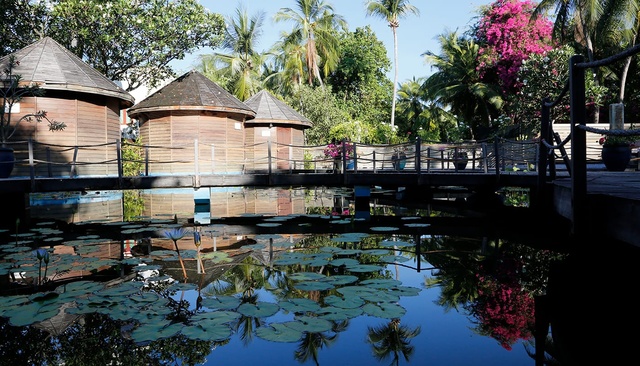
344, 262
145, 297
152, 331
394, 259
31, 313
417, 225
341, 279
300, 305
178, 286
376, 251
384, 228
338, 314
208, 332
216, 257
259, 310
215, 317
381, 283
365, 268
221, 302
347, 302
395, 243
278, 332
405, 291
356, 291
309, 324
313, 286
306, 276
384, 310
348, 251
381, 296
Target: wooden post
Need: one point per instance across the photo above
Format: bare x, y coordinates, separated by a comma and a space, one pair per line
73, 172
119, 161
418, 161
196, 163
578, 145
32, 168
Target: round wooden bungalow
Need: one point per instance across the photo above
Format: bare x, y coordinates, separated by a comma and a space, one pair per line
76, 94
278, 125
192, 113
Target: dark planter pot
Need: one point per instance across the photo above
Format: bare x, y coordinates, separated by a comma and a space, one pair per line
460, 161
399, 161
6, 161
616, 158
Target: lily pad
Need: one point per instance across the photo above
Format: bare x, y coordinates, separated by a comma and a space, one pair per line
259, 310
384, 310
309, 324
278, 332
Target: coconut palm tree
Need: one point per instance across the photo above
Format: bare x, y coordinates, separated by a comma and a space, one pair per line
240, 70
457, 86
315, 25
392, 11
392, 339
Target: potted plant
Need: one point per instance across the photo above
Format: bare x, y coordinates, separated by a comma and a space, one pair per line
399, 158
334, 151
460, 159
12, 92
616, 151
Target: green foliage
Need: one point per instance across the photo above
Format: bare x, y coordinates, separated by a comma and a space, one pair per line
360, 80
320, 106
134, 42
21, 23
132, 165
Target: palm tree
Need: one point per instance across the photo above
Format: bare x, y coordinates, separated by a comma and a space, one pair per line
392, 11
240, 70
315, 25
457, 86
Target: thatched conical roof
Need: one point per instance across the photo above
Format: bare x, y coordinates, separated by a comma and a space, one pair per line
270, 109
54, 67
192, 91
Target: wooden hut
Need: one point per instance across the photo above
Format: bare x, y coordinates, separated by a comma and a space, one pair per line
192, 113
278, 128
76, 94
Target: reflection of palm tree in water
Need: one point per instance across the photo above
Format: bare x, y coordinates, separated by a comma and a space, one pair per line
311, 342
392, 338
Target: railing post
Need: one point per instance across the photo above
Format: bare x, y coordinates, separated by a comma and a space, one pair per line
72, 173
196, 163
269, 156
374, 161
146, 160
49, 168
418, 161
355, 158
496, 151
32, 168
578, 144
543, 151
119, 161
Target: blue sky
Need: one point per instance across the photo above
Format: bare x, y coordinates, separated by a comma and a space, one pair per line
415, 34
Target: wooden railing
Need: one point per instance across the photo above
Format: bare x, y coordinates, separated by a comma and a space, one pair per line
46, 160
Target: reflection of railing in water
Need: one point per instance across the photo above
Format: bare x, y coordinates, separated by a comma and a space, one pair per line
48, 160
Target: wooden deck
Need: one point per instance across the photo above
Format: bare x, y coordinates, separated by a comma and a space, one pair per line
613, 204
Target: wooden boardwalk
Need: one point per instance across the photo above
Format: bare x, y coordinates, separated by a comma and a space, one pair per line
613, 203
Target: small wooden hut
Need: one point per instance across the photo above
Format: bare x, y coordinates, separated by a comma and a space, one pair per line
192, 112
278, 125
76, 94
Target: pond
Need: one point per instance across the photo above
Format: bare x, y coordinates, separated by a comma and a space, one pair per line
405, 286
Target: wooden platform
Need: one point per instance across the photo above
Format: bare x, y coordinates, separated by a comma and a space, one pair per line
613, 203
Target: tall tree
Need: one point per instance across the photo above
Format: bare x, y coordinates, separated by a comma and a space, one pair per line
134, 41
315, 25
22, 22
392, 11
456, 84
360, 79
242, 65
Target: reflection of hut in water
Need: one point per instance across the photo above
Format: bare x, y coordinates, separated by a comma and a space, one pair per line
279, 124
75, 94
189, 108
225, 202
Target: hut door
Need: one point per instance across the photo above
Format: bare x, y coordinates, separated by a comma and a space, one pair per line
284, 148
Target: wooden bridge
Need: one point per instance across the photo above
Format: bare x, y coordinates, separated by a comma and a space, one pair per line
476, 165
